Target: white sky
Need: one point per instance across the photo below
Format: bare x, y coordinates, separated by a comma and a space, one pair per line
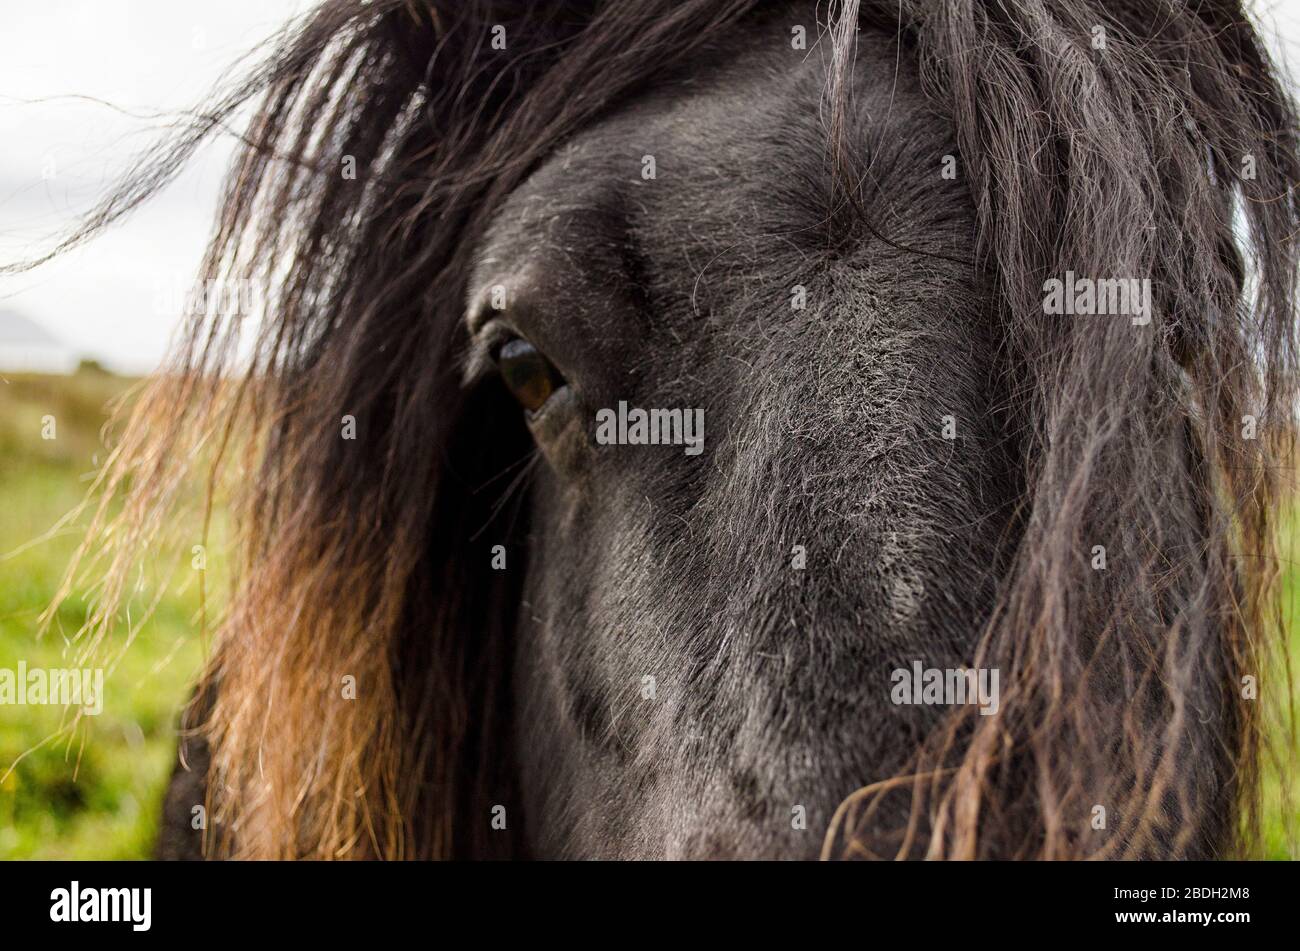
145, 56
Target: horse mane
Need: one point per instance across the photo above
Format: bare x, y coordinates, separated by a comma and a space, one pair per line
359, 558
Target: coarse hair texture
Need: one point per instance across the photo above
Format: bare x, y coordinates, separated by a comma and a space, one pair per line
1122, 688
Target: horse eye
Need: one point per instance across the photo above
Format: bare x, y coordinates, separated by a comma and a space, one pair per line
527, 374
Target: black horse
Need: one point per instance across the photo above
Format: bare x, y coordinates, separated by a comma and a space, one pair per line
723, 429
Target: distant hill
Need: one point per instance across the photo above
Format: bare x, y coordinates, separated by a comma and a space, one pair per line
79, 406
27, 347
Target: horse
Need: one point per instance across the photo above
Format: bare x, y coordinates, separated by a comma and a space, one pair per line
942, 357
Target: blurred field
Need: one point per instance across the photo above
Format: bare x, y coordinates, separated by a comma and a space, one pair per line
1279, 827
97, 795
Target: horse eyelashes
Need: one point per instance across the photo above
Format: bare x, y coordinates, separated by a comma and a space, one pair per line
527, 374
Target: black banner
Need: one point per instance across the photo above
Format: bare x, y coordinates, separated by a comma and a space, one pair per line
664, 901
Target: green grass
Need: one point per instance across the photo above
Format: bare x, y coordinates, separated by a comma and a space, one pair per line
1280, 826
97, 794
